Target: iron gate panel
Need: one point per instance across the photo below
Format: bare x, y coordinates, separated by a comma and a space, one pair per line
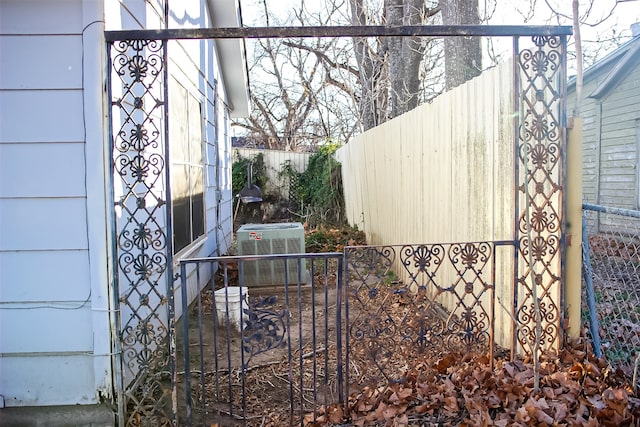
404, 303
304, 348
246, 352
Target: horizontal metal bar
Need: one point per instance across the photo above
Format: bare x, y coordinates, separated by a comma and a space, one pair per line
265, 257
505, 242
493, 242
339, 31
611, 210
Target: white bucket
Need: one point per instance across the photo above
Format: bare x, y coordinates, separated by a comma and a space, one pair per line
230, 298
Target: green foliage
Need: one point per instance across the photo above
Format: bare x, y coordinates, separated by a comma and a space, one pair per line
290, 175
321, 185
239, 172
317, 192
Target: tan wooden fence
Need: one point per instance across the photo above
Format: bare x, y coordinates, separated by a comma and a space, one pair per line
443, 172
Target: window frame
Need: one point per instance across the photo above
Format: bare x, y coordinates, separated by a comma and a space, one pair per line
186, 150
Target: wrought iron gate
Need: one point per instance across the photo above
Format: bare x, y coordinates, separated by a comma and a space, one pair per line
147, 378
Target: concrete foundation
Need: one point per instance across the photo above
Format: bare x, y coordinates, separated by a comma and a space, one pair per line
58, 416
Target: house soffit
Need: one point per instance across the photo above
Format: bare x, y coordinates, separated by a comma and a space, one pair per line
619, 71
603, 66
231, 55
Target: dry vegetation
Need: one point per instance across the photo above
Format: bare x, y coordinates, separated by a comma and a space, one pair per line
445, 389
576, 390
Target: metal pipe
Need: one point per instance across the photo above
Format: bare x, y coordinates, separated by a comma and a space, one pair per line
341, 31
607, 209
116, 322
516, 194
591, 300
185, 338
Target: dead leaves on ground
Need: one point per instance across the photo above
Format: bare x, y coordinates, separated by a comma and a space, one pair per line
575, 390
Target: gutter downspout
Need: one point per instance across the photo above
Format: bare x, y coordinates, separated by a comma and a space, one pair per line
216, 142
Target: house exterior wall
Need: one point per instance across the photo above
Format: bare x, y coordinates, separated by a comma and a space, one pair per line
55, 271
610, 141
590, 146
618, 153
54, 337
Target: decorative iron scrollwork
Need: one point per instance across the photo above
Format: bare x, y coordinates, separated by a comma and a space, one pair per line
438, 307
541, 143
142, 241
264, 327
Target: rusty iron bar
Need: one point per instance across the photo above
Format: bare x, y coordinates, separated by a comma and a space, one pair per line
340, 31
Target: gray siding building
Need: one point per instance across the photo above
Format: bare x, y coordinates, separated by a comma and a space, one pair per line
611, 132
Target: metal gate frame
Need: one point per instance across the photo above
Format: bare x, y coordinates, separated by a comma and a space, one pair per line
144, 361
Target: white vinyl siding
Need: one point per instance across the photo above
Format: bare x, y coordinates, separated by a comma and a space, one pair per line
40, 116
47, 282
61, 329
56, 378
47, 335
41, 17
43, 177
61, 67
43, 224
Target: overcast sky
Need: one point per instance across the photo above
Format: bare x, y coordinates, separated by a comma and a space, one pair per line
507, 12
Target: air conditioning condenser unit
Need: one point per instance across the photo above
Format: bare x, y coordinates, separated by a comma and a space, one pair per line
267, 239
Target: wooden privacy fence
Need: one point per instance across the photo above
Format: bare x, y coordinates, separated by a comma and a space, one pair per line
274, 160
447, 172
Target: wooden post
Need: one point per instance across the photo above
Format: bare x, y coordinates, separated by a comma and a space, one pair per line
573, 193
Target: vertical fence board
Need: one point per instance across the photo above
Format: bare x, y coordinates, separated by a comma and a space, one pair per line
503, 208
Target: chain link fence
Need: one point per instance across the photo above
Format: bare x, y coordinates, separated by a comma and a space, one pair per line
611, 286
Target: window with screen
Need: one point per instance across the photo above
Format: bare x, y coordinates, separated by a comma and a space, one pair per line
187, 171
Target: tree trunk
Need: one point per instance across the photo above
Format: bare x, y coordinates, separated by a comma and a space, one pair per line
578, 40
462, 55
372, 103
405, 55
